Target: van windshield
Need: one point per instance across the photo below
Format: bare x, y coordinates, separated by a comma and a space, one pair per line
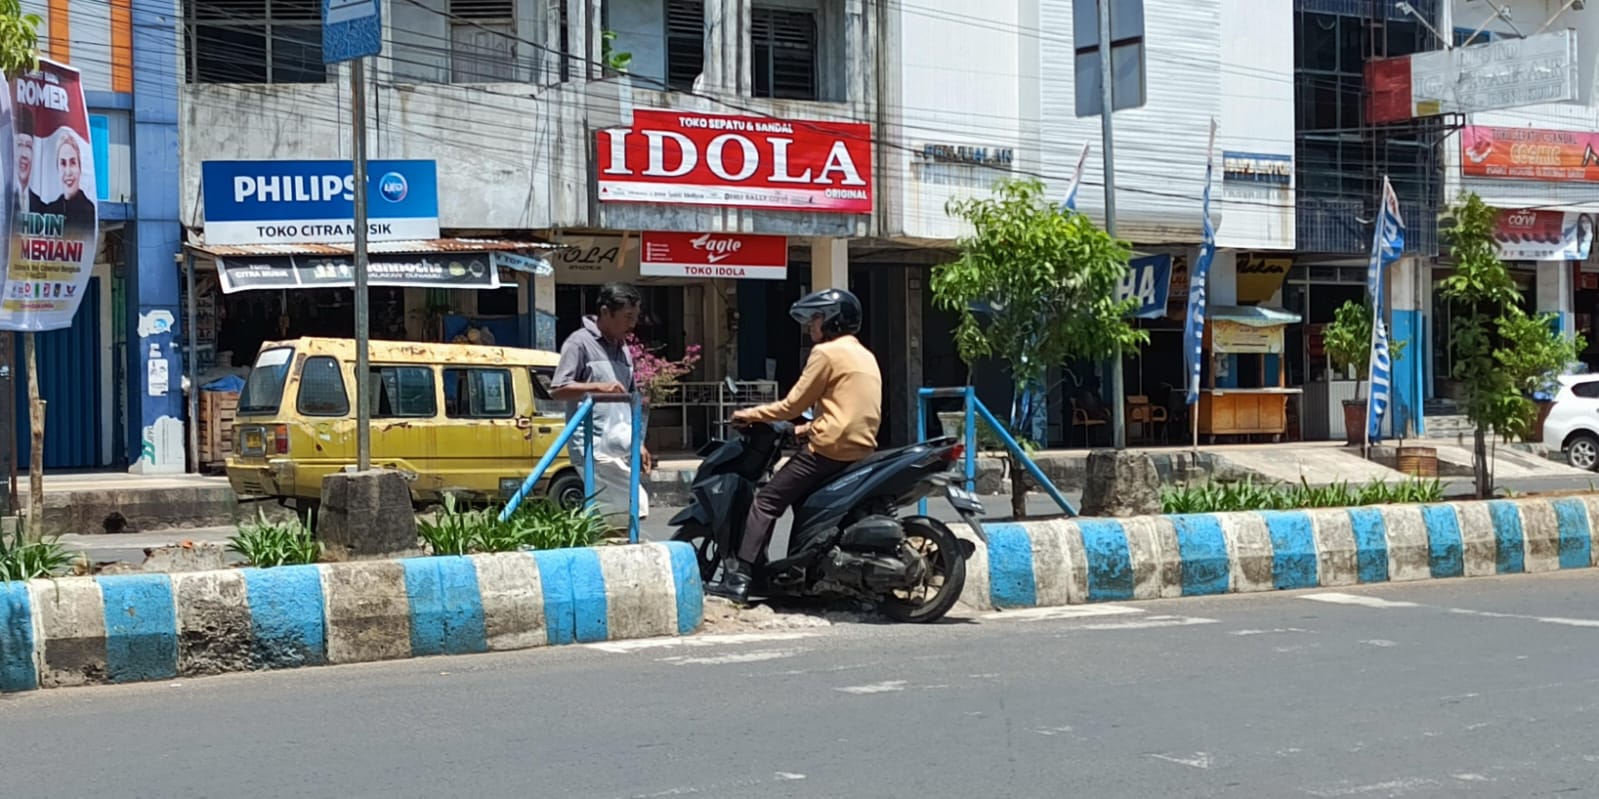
263, 390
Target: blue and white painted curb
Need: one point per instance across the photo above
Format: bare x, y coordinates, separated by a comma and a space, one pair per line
1043, 564
131, 628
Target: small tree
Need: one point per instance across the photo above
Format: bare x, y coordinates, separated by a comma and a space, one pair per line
1049, 279
1502, 354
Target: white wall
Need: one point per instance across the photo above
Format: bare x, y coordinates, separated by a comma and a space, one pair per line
1257, 102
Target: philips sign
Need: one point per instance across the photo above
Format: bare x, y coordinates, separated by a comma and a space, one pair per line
313, 202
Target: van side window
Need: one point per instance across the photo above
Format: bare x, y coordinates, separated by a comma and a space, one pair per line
322, 388
403, 391
478, 394
543, 403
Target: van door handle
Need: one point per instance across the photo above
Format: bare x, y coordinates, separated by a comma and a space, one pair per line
544, 431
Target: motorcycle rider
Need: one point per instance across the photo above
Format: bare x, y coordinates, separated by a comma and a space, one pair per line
842, 383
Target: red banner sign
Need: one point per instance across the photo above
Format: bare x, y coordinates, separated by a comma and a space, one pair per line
716, 255
686, 158
1529, 154
1544, 235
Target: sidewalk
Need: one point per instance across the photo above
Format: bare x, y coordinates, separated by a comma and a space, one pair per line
118, 502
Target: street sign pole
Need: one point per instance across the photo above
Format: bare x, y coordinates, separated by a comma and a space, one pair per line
1118, 408
351, 31
363, 408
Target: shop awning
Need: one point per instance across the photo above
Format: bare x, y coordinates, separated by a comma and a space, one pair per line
1252, 315
430, 263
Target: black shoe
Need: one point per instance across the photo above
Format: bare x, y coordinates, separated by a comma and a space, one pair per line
735, 583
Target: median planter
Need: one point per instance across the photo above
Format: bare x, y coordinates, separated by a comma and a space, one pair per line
1354, 422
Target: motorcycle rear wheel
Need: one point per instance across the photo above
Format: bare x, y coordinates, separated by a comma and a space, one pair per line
946, 576
705, 552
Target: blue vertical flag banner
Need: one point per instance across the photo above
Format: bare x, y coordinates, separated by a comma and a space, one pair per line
1198, 291
1077, 179
1388, 243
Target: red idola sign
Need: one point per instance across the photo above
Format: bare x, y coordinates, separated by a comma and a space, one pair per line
686, 158
716, 255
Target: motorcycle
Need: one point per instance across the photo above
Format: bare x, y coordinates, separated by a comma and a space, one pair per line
848, 540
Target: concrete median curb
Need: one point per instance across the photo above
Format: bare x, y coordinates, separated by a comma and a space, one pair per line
131, 628
1043, 564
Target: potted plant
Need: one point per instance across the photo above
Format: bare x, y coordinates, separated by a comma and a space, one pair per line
1348, 344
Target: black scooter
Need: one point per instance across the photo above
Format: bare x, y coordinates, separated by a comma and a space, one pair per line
847, 540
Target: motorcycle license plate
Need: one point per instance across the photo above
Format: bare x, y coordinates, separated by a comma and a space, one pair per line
964, 500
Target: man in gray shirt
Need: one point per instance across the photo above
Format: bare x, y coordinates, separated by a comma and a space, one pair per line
595, 360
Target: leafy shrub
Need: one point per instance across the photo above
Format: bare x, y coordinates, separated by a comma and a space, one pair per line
536, 524
1249, 495
265, 543
21, 559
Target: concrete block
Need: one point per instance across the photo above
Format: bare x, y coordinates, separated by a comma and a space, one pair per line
69, 616
141, 627
1478, 543
215, 632
1541, 532
194, 557
19, 644
367, 515
640, 597
367, 610
1409, 548
1156, 561
977, 593
513, 600
1121, 483
1249, 553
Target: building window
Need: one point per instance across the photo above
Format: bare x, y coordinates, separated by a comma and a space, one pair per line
783, 53
403, 391
478, 394
685, 43
322, 388
254, 41
482, 41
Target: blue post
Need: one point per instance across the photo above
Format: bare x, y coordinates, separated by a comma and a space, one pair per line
635, 465
1024, 460
584, 411
921, 435
971, 438
588, 461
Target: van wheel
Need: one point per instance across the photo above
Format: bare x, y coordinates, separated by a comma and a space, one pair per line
566, 491
1583, 451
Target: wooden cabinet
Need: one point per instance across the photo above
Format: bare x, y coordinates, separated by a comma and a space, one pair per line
1243, 412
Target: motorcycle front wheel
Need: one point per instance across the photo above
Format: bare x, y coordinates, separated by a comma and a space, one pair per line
705, 551
946, 574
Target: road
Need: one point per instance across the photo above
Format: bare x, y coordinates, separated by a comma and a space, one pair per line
1438, 689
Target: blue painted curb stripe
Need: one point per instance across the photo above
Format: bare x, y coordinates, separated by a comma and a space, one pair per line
1202, 548
1011, 583
1576, 541
1371, 544
555, 581
1293, 548
1446, 550
589, 605
18, 672
141, 627
1510, 545
689, 587
1110, 563
288, 617
446, 606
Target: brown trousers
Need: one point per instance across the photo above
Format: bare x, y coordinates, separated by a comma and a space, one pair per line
802, 475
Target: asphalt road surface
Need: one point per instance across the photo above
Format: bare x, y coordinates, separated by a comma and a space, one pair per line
1439, 689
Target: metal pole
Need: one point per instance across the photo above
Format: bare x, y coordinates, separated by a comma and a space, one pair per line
193, 364
363, 412
635, 465
1118, 410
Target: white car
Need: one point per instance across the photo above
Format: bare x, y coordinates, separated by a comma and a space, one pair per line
1573, 421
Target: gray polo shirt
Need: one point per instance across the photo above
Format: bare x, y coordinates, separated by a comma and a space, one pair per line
586, 357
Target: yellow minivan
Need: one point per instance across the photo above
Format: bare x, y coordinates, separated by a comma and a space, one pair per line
458, 419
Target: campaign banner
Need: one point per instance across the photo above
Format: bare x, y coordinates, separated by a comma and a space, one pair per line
1147, 280
53, 217
688, 158
427, 270
736, 256
313, 202
1544, 235
1388, 244
1556, 156
1198, 296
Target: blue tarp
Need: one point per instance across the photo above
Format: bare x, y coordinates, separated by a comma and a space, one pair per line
231, 383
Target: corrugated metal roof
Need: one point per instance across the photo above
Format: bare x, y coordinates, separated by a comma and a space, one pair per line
1252, 315
383, 247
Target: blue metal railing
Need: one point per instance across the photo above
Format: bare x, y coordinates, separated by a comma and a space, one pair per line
584, 419
975, 408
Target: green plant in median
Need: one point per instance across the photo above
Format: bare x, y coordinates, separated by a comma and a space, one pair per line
537, 524
454, 530
21, 559
265, 543
545, 525
1248, 495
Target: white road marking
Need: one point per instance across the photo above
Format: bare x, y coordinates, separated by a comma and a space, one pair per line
623, 647
735, 657
889, 687
1380, 642
1470, 777
725, 787
1560, 620
1274, 631
1150, 623
1356, 599
1389, 788
1062, 612
1195, 760
1050, 731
